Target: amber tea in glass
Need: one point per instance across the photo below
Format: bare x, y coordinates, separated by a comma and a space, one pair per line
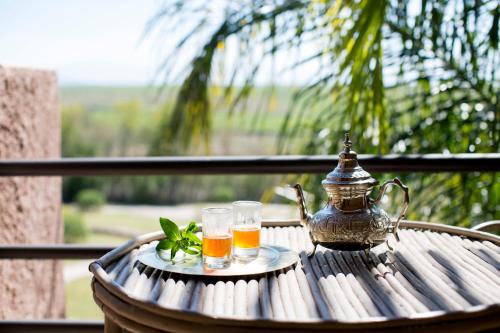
217, 246
246, 229
246, 237
217, 238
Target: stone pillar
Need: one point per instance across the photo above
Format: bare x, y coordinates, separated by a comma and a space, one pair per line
30, 207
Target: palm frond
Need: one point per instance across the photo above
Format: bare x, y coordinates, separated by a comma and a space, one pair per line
402, 76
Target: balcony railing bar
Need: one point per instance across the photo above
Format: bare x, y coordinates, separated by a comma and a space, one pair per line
53, 251
223, 165
52, 325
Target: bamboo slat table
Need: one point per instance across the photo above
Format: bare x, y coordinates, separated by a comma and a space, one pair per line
436, 278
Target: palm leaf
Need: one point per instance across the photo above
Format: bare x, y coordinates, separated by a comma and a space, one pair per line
401, 76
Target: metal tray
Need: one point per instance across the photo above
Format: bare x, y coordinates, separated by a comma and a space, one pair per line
271, 258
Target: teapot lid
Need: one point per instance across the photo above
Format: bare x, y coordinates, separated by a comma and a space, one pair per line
348, 171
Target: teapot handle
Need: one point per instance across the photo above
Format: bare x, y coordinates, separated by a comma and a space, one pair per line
406, 202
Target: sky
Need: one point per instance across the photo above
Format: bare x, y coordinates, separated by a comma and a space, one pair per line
92, 42
88, 42
103, 42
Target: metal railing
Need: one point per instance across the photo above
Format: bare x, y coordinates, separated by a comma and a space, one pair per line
53, 251
245, 165
197, 166
52, 326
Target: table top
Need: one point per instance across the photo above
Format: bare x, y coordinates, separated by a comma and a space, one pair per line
427, 274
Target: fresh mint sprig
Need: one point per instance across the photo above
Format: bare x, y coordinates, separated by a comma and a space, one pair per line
175, 239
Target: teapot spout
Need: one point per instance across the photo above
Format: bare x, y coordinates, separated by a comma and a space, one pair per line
305, 217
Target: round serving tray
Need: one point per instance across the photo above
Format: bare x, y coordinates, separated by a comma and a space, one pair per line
271, 258
120, 291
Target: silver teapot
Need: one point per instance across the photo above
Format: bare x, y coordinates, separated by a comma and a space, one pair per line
351, 220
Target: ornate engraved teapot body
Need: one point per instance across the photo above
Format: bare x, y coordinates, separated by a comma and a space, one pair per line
351, 219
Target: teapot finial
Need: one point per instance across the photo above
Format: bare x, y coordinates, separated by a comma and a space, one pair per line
347, 143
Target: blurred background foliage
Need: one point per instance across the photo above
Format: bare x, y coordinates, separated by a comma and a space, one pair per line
125, 121
405, 77
75, 229
414, 76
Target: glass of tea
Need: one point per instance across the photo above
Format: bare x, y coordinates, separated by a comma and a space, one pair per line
246, 229
217, 238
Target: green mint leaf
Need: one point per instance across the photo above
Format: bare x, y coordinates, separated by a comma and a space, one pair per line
174, 250
175, 239
191, 251
170, 229
194, 239
183, 243
165, 244
191, 227
195, 245
184, 234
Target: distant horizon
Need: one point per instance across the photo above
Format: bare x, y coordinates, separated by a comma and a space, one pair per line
104, 85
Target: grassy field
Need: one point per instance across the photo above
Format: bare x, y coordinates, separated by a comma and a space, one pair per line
138, 223
79, 301
102, 97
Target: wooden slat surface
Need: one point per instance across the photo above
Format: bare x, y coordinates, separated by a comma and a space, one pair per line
427, 271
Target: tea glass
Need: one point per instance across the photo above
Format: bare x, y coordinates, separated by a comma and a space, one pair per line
217, 238
246, 230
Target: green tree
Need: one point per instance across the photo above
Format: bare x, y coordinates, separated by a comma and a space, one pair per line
74, 121
75, 124
90, 199
75, 229
129, 113
402, 76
